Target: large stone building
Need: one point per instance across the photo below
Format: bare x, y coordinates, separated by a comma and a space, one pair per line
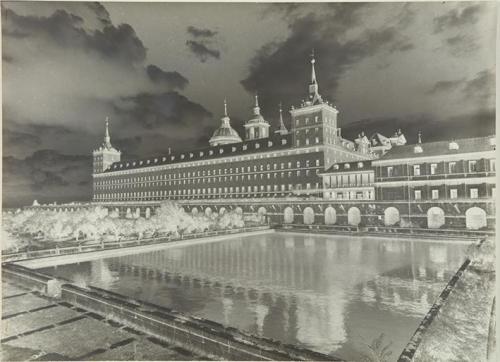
284, 164
310, 174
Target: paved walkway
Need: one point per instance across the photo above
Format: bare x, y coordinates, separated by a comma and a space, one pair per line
37, 328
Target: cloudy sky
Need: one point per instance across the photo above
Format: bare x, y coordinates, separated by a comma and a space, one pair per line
161, 71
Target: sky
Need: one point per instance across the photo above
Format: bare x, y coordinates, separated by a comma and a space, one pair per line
160, 72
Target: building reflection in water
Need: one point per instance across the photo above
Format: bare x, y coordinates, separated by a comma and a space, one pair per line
322, 292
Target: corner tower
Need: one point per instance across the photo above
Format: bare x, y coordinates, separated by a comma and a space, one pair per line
106, 154
314, 124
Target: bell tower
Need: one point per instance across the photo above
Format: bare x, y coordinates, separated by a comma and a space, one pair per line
106, 154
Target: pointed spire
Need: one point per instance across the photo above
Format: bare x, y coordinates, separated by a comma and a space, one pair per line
313, 71
282, 130
256, 109
225, 107
419, 137
107, 138
314, 96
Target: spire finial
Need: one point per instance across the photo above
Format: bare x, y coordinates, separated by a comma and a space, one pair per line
256, 108
282, 130
313, 71
107, 139
419, 137
225, 107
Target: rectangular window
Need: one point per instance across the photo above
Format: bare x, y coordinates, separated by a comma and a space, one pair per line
433, 168
435, 194
474, 193
452, 167
418, 195
453, 193
390, 171
416, 170
472, 166
492, 165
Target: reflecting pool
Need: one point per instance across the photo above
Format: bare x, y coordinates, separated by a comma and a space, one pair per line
333, 294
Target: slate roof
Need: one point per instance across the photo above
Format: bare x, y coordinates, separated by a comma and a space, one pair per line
273, 143
465, 145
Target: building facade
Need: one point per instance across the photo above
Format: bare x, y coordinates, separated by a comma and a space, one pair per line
309, 174
281, 165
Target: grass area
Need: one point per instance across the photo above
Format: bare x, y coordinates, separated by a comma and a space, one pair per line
461, 329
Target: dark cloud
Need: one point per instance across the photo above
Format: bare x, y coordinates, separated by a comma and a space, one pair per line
66, 30
277, 70
475, 124
446, 86
101, 12
47, 176
201, 33
162, 120
480, 87
461, 45
457, 17
202, 51
173, 80
19, 139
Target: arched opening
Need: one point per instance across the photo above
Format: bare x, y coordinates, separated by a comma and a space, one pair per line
194, 211
475, 218
148, 213
308, 216
435, 217
353, 216
391, 216
137, 213
261, 213
222, 210
330, 216
288, 215
239, 210
208, 211
128, 215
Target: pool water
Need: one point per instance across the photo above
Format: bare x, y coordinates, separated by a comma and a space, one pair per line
332, 294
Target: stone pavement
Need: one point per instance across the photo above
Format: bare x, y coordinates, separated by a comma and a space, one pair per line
37, 328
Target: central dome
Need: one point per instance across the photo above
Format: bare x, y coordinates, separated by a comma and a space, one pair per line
225, 134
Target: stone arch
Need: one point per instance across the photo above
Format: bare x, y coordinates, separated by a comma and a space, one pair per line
222, 210
194, 211
330, 216
391, 216
208, 211
475, 218
288, 215
308, 216
435, 217
148, 212
353, 216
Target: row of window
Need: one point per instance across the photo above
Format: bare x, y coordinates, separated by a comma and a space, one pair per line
204, 173
351, 195
453, 194
206, 191
433, 167
354, 179
209, 180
